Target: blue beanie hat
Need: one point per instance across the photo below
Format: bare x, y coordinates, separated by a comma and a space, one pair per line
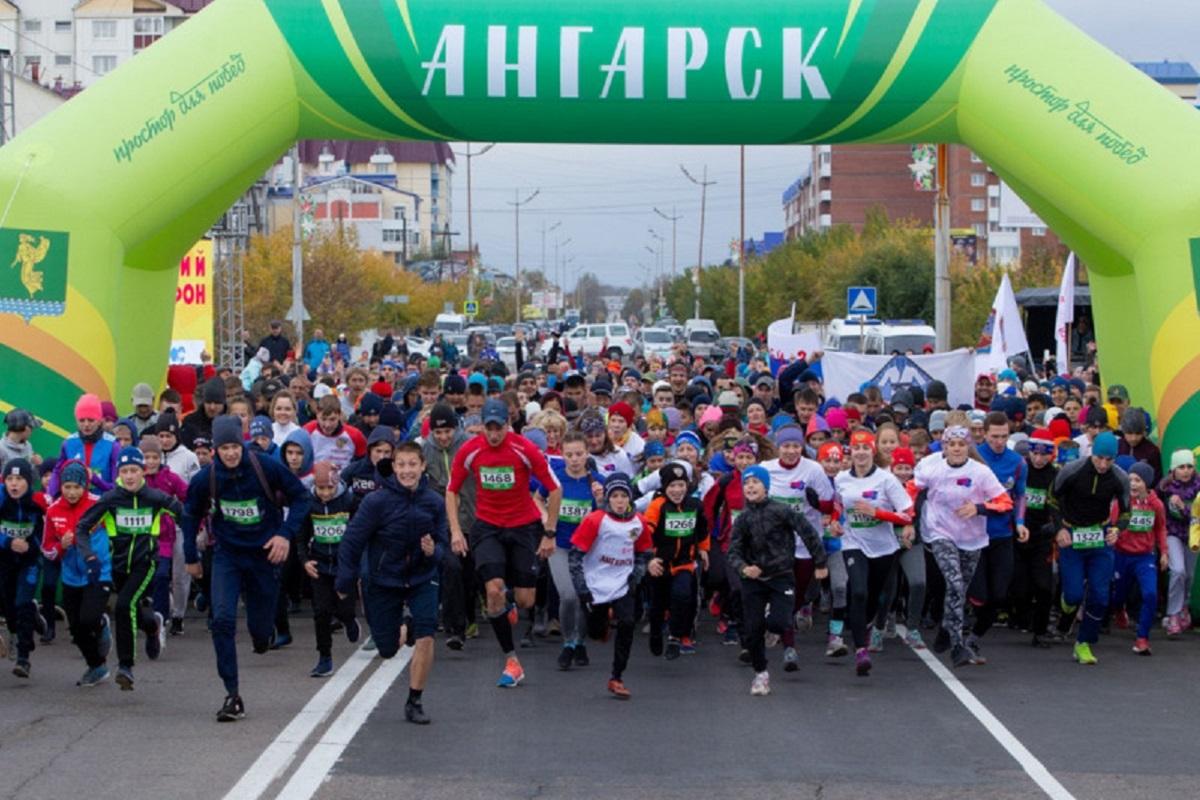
689, 437
74, 472
759, 473
131, 457
788, 433
1105, 445
226, 429
653, 449
261, 426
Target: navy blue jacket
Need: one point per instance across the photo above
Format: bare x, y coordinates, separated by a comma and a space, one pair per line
389, 525
243, 516
323, 529
20, 518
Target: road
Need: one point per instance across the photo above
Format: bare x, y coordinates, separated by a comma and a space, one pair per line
1123, 729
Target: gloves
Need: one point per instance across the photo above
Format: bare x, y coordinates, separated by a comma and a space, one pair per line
93, 570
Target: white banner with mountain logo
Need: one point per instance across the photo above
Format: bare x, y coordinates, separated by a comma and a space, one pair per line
847, 373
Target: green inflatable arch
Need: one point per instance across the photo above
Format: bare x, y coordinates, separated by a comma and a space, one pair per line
102, 197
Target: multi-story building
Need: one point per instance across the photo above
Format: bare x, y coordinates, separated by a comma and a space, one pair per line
1179, 77
396, 195
843, 183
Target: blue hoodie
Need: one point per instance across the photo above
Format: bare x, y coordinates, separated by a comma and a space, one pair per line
243, 517
1011, 470
301, 438
20, 518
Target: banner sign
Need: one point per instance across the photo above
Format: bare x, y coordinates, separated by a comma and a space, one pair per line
786, 346
847, 373
193, 327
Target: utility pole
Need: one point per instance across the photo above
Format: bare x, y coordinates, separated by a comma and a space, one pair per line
545, 230
703, 183
673, 219
516, 204
742, 248
661, 267
447, 253
470, 230
298, 313
558, 273
941, 253
8, 107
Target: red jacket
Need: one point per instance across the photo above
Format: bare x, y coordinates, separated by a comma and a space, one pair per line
1147, 527
61, 518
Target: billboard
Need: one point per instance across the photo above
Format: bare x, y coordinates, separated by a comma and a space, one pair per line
192, 330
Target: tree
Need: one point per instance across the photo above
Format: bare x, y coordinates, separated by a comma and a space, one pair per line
636, 303
590, 294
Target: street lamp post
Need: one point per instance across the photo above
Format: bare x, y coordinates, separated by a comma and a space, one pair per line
673, 219
703, 183
470, 230
516, 204
558, 273
659, 264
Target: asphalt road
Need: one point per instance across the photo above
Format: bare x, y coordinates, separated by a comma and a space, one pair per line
1123, 729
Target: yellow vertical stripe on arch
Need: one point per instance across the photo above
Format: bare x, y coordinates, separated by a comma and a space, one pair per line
341, 29
908, 43
403, 6
851, 13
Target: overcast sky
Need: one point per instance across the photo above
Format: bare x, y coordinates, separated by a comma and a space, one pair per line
603, 196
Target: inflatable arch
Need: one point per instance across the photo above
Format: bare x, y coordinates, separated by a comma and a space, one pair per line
102, 197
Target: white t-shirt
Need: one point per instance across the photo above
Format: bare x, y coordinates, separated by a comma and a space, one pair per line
633, 447
611, 547
614, 462
874, 538
1085, 445
281, 432
947, 488
790, 486
650, 484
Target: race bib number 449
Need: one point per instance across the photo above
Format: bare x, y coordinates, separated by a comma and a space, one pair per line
497, 479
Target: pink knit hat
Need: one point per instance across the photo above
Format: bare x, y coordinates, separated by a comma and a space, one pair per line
88, 407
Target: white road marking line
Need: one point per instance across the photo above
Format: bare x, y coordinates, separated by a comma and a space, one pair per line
311, 773
279, 754
1033, 768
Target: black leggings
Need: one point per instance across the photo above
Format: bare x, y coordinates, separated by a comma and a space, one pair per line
1033, 584
989, 588
780, 595
85, 607
677, 594
866, 580
624, 610
326, 607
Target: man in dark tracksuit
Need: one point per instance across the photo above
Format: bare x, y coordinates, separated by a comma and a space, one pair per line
252, 537
131, 512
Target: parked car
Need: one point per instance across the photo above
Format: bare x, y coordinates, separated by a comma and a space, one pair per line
506, 346
649, 342
704, 343
418, 346
612, 339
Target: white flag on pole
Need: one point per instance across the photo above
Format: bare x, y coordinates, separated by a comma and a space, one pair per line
1065, 318
786, 346
1003, 334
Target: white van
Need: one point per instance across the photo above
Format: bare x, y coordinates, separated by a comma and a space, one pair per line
901, 336
851, 336
449, 324
699, 325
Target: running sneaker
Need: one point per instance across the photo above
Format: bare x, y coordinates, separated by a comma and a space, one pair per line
731, 636
972, 644
687, 646
835, 646
1174, 627
353, 630
1083, 653
156, 638
1120, 618
415, 713
744, 656
454, 642
803, 619
1141, 646
565, 657
941, 642
889, 629
714, 606
125, 679
673, 648
512, 675
232, 709
539, 624
770, 640
527, 639
581, 655
876, 645
618, 690
105, 644
761, 685
280, 641
22, 668
553, 628
961, 656
201, 602
48, 636
93, 677
177, 626
912, 638
722, 626
862, 662
791, 660
472, 631
323, 669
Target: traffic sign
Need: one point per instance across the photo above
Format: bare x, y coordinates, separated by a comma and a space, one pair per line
396, 299
470, 307
861, 301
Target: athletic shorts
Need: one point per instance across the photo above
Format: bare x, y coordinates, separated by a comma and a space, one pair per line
507, 553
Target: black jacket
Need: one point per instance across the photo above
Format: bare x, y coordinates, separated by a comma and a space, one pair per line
132, 519
1081, 496
323, 528
764, 536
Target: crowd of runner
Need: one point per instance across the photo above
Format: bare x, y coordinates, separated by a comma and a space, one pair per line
579, 499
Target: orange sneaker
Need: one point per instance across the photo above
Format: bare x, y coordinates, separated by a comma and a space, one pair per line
618, 689
514, 615
1141, 646
512, 675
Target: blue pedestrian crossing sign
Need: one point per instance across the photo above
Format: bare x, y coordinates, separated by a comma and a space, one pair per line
470, 307
861, 301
